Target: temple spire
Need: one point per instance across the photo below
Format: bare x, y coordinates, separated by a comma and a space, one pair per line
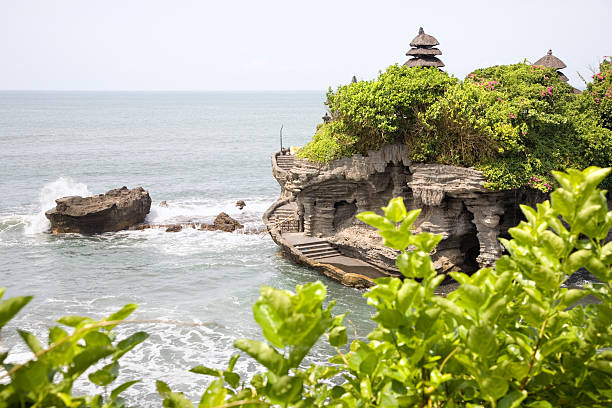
550, 61
423, 52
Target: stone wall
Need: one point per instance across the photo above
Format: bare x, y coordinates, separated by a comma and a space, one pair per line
453, 200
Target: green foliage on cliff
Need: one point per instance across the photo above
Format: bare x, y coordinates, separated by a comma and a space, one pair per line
516, 123
600, 92
509, 336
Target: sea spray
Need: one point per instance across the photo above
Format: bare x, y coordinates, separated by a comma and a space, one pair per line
62, 187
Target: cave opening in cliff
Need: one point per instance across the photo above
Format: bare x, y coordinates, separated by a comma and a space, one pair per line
344, 214
470, 247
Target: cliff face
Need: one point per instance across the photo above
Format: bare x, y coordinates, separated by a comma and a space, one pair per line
453, 200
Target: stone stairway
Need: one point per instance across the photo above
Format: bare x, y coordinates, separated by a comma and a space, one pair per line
318, 250
285, 162
286, 219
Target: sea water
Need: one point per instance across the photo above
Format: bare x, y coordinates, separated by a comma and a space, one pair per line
198, 151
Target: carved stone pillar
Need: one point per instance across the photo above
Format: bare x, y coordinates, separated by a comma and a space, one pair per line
487, 211
308, 215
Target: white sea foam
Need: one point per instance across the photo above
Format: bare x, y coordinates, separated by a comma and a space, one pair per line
62, 187
205, 210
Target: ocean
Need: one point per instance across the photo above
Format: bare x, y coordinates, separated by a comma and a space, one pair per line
198, 151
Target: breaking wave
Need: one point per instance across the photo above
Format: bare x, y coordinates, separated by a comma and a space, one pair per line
62, 187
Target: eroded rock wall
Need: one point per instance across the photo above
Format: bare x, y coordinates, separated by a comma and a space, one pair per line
453, 200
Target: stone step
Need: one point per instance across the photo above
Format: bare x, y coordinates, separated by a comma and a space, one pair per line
317, 250
320, 254
315, 247
312, 244
327, 256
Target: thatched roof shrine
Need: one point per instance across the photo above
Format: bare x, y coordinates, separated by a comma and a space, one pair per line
550, 61
424, 40
423, 53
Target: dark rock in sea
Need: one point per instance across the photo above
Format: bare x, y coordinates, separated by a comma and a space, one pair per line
116, 210
163, 204
174, 228
224, 222
240, 204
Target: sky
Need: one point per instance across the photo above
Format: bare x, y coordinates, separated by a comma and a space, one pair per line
280, 45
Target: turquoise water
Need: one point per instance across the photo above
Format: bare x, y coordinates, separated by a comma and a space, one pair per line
200, 152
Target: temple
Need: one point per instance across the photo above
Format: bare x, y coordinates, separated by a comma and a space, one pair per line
423, 51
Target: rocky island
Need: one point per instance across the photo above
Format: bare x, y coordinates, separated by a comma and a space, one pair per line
467, 153
116, 210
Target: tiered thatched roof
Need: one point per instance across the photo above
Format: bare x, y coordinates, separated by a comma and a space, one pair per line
423, 51
550, 61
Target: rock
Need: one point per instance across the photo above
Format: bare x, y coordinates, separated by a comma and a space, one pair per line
240, 204
453, 200
163, 204
116, 210
174, 228
224, 222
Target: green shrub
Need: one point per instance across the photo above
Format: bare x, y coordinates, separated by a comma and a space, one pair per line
509, 336
46, 380
600, 92
516, 123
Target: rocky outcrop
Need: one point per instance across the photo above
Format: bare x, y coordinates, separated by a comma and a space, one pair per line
453, 200
223, 222
116, 210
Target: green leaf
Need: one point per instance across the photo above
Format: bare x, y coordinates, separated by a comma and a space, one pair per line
121, 314
481, 340
232, 362
87, 358
396, 239
337, 336
177, 400
206, 371
214, 395
97, 339
494, 387
31, 341
162, 388
233, 379
116, 391
395, 211
578, 260
32, 377
594, 176
10, 307
73, 321
264, 354
269, 321
129, 343
286, 389
105, 375
512, 400
571, 296
409, 220
375, 220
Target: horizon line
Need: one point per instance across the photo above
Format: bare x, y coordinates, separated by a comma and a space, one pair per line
163, 90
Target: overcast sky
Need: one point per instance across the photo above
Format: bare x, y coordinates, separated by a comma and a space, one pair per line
279, 45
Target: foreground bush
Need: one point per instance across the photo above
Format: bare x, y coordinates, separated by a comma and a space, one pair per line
509, 336
516, 123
